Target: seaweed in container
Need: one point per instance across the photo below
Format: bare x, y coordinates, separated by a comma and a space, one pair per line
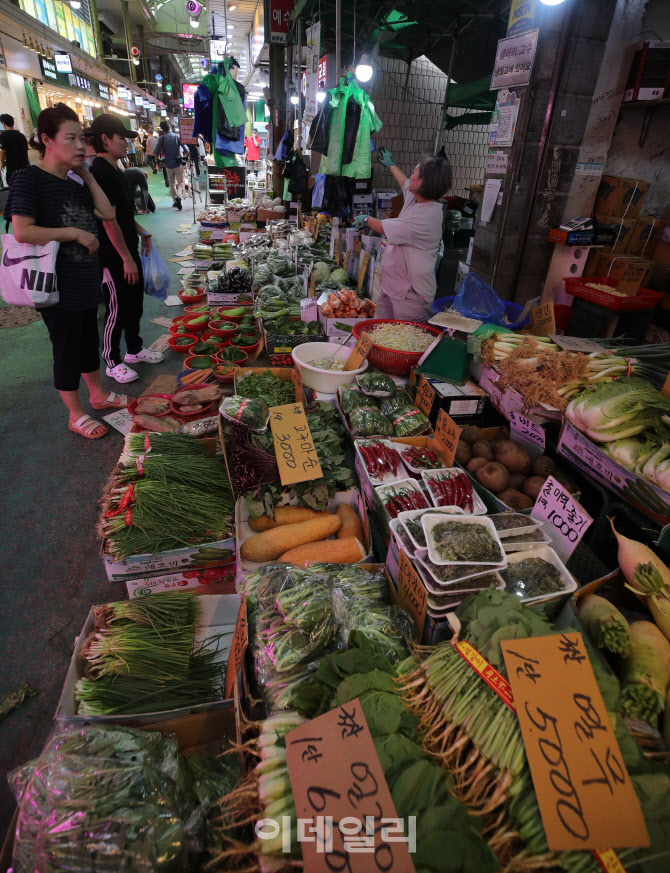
532, 577
504, 521
415, 527
535, 536
451, 573
465, 542
439, 601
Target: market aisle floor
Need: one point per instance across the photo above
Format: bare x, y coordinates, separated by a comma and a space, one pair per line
50, 569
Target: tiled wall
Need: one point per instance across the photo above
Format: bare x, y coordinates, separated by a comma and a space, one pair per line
410, 122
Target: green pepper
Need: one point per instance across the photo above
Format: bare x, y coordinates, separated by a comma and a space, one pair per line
239, 310
200, 320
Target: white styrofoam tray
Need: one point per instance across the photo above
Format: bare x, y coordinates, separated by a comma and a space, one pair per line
398, 530
531, 525
431, 519
550, 556
417, 513
478, 505
389, 477
514, 546
435, 586
407, 484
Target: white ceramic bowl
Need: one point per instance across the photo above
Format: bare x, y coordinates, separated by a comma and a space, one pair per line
326, 381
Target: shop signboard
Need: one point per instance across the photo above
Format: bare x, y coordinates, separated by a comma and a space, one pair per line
312, 72
49, 70
77, 81
503, 119
277, 15
63, 62
521, 17
103, 90
514, 60
186, 132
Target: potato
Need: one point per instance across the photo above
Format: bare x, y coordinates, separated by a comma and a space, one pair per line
513, 456
515, 499
463, 453
493, 476
569, 484
471, 434
533, 485
516, 481
480, 449
475, 464
504, 432
543, 466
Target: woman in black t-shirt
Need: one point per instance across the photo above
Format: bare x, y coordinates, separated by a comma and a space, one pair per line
45, 204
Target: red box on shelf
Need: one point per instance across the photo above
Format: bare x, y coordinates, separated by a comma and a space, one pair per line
577, 287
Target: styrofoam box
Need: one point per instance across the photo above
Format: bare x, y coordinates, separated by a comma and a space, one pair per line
430, 519
550, 556
478, 505
435, 586
417, 513
398, 529
407, 484
185, 558
513, 546
530, 524
352, 498
218, 615
388, 477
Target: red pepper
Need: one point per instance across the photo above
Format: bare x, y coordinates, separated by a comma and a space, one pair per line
458, 492
448, 492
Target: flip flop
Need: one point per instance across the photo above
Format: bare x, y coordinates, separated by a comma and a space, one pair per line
114, 401
85, 426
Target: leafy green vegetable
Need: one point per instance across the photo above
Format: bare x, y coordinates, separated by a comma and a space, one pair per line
265, 386
619, 409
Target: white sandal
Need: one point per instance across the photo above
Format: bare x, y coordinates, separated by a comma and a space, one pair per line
85, 426
113, 401
122, 373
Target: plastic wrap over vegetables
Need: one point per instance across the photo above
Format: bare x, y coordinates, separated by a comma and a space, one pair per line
366, 422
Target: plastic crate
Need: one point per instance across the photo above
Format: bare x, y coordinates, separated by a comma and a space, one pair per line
512, 311
644, 299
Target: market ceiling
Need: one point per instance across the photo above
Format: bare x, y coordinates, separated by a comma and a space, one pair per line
407, 29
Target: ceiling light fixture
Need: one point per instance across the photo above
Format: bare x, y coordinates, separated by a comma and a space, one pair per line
136, 61
551, 2
195, 22
364, 70
320, 96
231, 8
294, 99
75, 4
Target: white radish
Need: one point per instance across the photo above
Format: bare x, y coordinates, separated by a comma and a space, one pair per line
645, 573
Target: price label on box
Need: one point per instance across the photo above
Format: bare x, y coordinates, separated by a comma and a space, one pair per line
294, 447
237, 649
309, 310
542, 321
360, 352
448, 433
567, 519
425, 396
347, 819
528, 433
412, 594
585, 795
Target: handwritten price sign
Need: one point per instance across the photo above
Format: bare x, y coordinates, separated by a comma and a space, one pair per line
586, 798
425, 396
308, 309
363, 270
448, 433
412, 594
567, 519
294, 447
360, 352
542, 321
527, 432
346, 816
237, 649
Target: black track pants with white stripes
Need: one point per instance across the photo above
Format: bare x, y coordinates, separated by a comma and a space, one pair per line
124, 306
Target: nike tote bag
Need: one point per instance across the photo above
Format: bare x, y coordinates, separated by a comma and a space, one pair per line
28, 273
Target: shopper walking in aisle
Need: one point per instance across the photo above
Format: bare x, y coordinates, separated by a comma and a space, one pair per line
408, 264
119, 251
13, 147
45, 205
252, 148
169, 148
152, 141
202, 152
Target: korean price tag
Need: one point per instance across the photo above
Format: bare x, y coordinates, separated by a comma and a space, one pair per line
363, 270
336, 250
165, 384
237, 648
586, 797
360, 352
164, 322
542, 321
425, 396
575, 344
312, 285
346, 816
412, 594
161, 344
448, 433
527, 432
567, 520
309, 309
294, 448
120, 420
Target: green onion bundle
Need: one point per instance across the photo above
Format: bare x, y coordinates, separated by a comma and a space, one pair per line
138, 650
161, 444
173, 609
200, 473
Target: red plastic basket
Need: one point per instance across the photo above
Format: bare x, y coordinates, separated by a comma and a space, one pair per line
391, 360
644, 299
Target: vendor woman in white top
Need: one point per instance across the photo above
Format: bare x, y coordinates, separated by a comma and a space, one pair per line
408, 264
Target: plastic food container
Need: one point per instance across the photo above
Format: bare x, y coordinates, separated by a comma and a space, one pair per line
440, 605
402, 538
478, 505
417, 513
530, 524
325, 381
388, 477
384, 492
550, 556
577, 287
466, 584
431, 519
511, 545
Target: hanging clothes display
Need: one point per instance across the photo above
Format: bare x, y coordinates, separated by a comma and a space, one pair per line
220, 114
350, 119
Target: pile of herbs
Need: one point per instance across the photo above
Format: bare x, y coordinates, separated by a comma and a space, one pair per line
532, 577
264, 386
465, 542
112, 798
328, 435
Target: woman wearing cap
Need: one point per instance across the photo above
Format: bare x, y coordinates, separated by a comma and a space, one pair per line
45, 204
408, 264
119, 252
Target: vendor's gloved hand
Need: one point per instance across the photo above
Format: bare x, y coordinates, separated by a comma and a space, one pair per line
360, 221
385, 157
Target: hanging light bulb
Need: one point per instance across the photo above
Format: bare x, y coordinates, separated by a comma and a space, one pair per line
363, 69
136, 61
75, 4
195, 23
294, 99
320, 96
551, 2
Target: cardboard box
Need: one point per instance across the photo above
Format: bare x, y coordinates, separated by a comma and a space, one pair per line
643, 238
280, 345
328, 324
623, 229
506, 399
363, 186
620, 197
458, 401
386, 202
187, 558
362, 204
219, 614
352, 498
215, 580
265, 215
461, 273
647, 498
627, 268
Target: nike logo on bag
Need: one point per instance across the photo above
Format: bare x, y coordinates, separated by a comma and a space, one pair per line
11, 262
